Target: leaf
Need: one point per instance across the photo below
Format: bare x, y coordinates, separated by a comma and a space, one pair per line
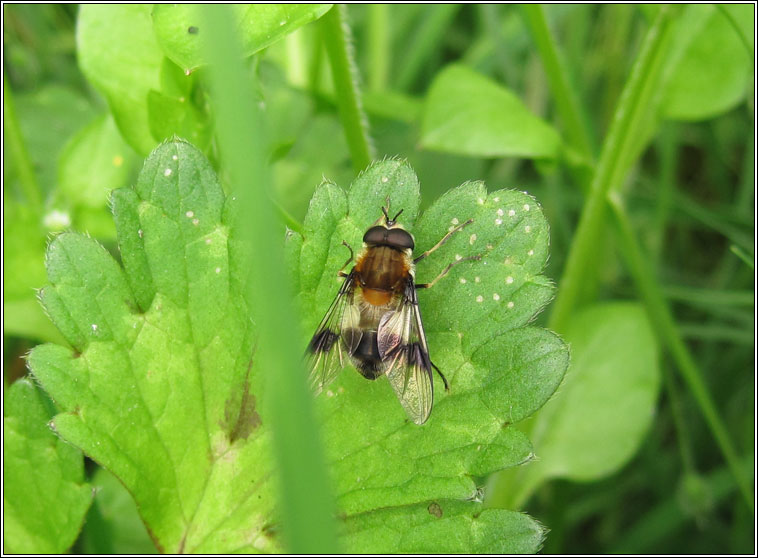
94, 162
712, 73
113, 524
180, 32
158, 387
451, 527
161, 390
500, 372
45, 496
120, 57
469, 114
597, 421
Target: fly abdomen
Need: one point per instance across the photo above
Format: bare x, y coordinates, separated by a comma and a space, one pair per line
366, 356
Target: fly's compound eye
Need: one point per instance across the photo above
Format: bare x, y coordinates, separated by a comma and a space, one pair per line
375, 235
399, 238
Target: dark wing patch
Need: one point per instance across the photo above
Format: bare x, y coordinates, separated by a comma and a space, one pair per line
336, 337
402, 347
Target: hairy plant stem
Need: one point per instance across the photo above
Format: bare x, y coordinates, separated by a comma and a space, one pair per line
339, 50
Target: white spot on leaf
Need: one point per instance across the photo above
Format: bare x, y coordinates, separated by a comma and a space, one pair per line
495, 296
510, 304
509, 279
462, 280
167, 172
480, 298
472, 239
498, 222
454, 221
527, 229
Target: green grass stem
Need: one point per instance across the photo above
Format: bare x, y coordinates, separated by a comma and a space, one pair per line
663, 321
426, 39
564, 96
635, 106
379, 50
339, 49
14, 139
307, 506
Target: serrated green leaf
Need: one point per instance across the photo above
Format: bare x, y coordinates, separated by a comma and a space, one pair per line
161, 389
606, 404
119, 55
452, 527
712, 73
44, 493
466, 113
499, 371
180, 31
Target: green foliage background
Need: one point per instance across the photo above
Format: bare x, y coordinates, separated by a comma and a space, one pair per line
631, 126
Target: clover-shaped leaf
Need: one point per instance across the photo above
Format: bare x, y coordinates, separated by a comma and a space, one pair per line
45, 496
161, 385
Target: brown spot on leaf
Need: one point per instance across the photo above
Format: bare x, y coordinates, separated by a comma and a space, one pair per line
240, 415
435, 509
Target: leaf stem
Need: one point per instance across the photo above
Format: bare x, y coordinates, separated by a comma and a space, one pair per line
339, 49
635, 105
663, 321
307, 505
564, 96
17, 147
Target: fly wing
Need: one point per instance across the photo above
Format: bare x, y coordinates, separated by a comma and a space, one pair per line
403, 349
336, 337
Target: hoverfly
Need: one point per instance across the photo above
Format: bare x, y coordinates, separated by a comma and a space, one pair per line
375, 319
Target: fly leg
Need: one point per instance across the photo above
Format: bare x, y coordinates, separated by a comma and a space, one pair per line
446, 271
444, 380
442, 241
440, 276
341, 273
